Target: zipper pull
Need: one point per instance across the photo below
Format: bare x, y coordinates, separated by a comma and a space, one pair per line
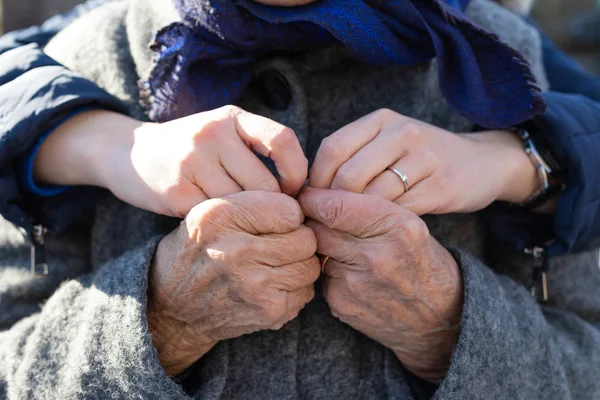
39, 266
540, 271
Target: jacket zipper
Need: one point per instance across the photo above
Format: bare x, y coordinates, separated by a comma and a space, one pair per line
39, 265
540, 272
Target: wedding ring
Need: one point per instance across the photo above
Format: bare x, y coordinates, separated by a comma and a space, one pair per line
323, 260
402, 176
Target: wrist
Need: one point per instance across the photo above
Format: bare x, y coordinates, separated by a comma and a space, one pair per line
82, 149
178, 344
429, 354
171, 339
518, 177
109, 150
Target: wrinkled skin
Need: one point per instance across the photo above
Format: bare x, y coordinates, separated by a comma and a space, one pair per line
387, 277
235, 266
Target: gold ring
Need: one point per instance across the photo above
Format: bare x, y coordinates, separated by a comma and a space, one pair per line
324, 260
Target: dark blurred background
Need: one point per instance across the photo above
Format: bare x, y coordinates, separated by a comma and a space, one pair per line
573, 24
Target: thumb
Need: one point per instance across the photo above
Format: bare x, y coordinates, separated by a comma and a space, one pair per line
357, 214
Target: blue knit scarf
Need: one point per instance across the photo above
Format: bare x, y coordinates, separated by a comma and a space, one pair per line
205, 61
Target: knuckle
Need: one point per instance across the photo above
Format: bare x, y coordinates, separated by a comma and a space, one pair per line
211, 130
241, 250
414, 230
337, 300
346, 178
385, 114
309, 239
255, 283
412, 131
275, 314
231, 111
332, 149
284, 139
355, 283
311, 270
291, 216
209, 212
331, 211
176, 197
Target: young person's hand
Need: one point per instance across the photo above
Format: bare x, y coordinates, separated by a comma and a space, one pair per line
445, 173
169, 168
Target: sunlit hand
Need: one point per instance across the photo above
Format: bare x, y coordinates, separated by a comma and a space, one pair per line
169, 168
446, 173
236, 265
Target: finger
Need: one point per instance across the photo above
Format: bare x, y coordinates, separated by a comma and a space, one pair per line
280, 144
335, 269
357, 214
216, 182
371, 160
343, 144
390, 186
247, 170
338, 245
422, 199
297, 300
188, 200
294, 276
256, 212
276, 250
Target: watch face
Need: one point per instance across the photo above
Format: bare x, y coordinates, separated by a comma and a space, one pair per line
547, 152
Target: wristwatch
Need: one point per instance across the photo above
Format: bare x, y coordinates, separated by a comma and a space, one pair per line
550, 169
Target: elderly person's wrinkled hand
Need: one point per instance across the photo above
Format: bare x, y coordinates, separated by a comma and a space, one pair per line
236, 265
443, 172
170, 168
387, 277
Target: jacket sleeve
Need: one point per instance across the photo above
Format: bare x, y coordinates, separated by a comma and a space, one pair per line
36, 93
91, 336
572, 126
510, 347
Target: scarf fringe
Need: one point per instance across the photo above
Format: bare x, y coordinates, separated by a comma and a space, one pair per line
198, 68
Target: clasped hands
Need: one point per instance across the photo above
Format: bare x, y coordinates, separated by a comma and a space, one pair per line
243, 260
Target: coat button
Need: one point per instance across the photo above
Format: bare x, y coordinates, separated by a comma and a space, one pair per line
274, 90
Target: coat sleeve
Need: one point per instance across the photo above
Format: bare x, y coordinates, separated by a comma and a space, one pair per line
572, 126
37, 93
513, 348
90, 337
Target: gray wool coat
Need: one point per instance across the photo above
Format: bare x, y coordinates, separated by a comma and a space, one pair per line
81, 331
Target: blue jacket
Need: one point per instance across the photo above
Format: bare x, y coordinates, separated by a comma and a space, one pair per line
36, 94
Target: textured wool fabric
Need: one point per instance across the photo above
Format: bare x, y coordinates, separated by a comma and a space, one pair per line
204, 62
90, 338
